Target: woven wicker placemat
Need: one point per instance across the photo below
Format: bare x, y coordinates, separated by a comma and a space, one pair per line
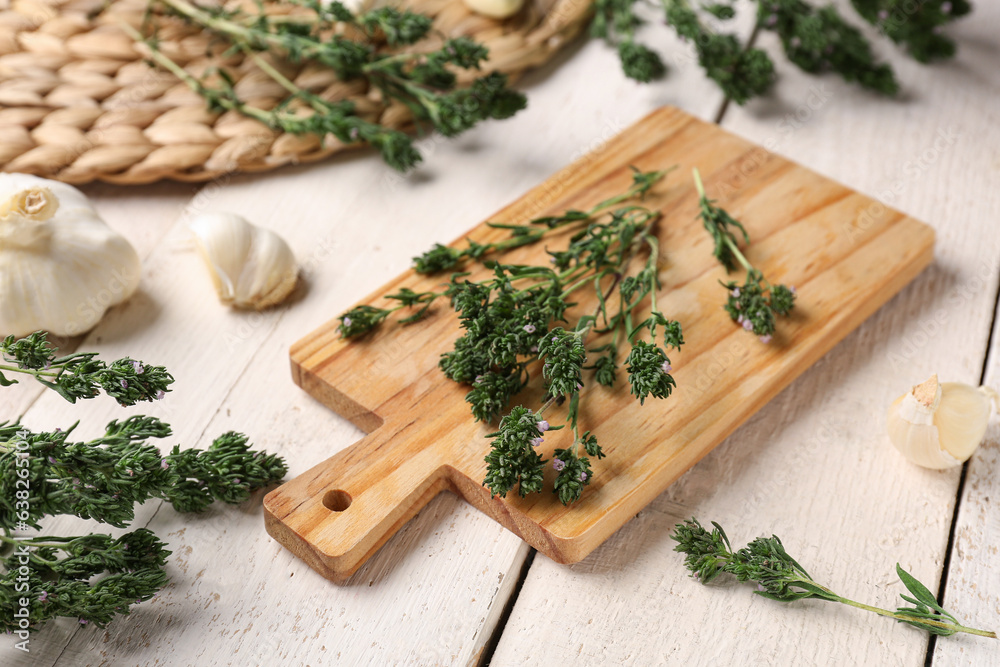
78, 102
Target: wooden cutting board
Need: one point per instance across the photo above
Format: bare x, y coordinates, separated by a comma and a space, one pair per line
846, 254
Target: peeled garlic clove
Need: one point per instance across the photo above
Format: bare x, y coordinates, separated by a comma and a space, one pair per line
61, 267
251, 267
939, 425
498, 9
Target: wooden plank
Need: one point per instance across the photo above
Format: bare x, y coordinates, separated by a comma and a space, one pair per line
804, 229
815, 466
972, 593
446, 577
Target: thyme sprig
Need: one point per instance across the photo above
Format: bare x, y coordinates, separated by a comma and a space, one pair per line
366, 46
519, 316
780, 577
755, 303
815, 39
97, 577
81, 375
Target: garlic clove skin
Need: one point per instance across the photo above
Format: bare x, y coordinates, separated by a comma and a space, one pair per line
939, 425
251, 267
61, 266
497, 9
962, 418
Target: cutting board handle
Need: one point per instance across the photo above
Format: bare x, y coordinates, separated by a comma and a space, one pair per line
336, 515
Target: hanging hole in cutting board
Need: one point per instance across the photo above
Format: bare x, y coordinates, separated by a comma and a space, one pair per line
337, 500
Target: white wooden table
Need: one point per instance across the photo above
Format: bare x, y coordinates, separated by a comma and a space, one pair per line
452, 587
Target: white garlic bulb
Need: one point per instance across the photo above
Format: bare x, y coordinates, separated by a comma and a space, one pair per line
939, 425
61, 266
251, 267
497, 9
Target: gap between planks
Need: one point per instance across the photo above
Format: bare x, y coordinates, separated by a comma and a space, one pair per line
491, 645
991, 344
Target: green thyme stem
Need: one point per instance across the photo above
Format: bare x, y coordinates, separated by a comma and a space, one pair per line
220, 25
637, 189
779, 577
914, 619
739, 255
30, 371
728, 239
168, 64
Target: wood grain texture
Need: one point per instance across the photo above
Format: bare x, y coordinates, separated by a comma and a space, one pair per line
435, 593
973, 589
847, 254
815, 466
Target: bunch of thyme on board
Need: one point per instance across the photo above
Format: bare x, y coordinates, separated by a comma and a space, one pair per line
780, 577
815, 39
755, 303
518, 316
386, 48
96, 577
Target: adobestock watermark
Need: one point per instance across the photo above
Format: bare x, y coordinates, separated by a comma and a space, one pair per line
731, 356
901, 356
89, 312
252, 320
909, 171
581, 163
817, 97
832, 431
22, 499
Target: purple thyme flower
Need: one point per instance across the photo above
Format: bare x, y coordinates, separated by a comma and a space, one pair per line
536, 441
529, 328
765, 339
347, 322
44, 596
666, 367
747, 324
558, 464
236, 481
124, 384
164, 464
137, 367
946, 7
83, 621
882, 15
543, 426
735, 293
160, 394
583, 477
52, 460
